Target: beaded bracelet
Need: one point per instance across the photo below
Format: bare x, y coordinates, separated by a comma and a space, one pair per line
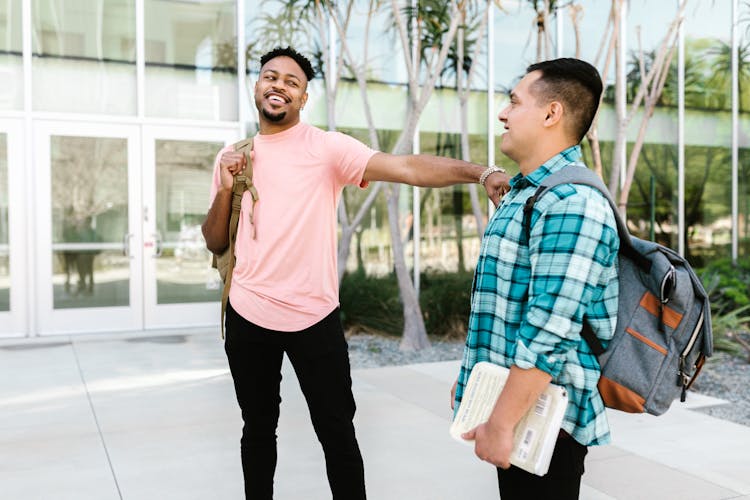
489, 171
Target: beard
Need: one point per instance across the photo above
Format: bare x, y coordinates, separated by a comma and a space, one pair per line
273, 117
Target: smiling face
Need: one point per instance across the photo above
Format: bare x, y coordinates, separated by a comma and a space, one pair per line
280, 94
524, 119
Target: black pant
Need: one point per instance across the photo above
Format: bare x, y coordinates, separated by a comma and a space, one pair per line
562, 481
320, 359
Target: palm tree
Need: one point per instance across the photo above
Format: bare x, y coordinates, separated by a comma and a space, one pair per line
543, 9
435, 23
721, 66
461, 64
648, 96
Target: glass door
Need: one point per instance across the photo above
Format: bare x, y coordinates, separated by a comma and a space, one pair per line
12, 236
181, 288
89, 264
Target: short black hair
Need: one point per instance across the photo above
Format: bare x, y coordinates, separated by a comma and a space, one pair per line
573, 82
303, 62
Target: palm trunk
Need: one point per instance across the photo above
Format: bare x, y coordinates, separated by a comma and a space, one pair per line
415, 333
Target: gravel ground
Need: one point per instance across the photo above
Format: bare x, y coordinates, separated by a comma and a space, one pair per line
367, 350
725, 377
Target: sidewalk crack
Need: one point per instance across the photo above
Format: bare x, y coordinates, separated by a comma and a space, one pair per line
96, 419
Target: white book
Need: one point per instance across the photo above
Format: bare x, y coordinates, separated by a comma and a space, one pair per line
535, 435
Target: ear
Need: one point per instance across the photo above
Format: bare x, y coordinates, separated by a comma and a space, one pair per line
554, 113
304, 100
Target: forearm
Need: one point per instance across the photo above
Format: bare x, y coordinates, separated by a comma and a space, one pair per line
437, 171
216, 226
521, 391
422, 170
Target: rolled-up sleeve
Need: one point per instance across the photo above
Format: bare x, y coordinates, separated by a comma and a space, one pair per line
571, 247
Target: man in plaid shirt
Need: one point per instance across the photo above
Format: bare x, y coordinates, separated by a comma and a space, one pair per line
530, 296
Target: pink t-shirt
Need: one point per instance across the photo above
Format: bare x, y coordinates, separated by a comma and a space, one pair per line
286, 278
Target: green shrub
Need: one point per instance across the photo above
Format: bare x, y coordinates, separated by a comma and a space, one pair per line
727, 284
373, 303
445, 299
728, 287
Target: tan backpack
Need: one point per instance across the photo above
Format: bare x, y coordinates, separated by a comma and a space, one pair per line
225, 260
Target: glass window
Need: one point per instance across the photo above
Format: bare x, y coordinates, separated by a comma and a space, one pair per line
11, 62
744, 202
385, 52
474, 35
449, 233
191, 59
88, 50
652, 197
370, 248
90, 237
513, 50
744, 133
584, 25
708, 125
4, 232
272, 23
183, 170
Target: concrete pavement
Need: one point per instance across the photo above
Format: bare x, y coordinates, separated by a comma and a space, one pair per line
153, 416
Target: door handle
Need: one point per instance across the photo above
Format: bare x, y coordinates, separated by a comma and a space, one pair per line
158, 244
126, 245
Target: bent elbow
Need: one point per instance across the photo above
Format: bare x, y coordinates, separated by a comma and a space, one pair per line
215, 247
213, 244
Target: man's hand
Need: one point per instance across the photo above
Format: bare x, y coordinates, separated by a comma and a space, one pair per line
497, 184
231, 164
492, 444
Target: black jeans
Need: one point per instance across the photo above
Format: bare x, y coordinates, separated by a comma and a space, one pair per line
562, 481
320, 359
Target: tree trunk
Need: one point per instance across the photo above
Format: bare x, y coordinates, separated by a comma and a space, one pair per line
415, 336
596, 151
463, 99
415, 333
621, 140
652, 87
348, 228
458, 202
345, 243
476, 206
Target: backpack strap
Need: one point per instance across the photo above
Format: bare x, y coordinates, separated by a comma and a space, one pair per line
578, 173
246, 146
242, 183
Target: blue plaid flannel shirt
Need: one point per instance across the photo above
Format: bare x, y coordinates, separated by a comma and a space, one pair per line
528, 300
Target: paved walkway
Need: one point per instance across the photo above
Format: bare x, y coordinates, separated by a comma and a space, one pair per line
141, 416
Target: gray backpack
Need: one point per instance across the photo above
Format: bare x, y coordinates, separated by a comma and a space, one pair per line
663, 332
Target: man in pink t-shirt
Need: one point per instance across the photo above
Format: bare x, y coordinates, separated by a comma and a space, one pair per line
284, 293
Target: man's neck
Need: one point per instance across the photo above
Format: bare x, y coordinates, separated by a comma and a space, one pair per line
267, 127
540, 156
